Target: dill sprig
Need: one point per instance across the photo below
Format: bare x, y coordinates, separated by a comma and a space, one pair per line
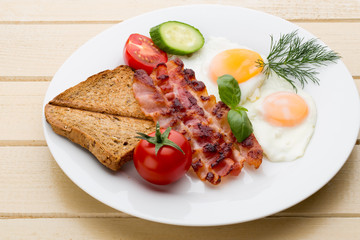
292, 58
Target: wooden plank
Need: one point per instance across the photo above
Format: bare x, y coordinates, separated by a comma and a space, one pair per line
32, 185
21, 111
118, 10
33, 50
131, 229
339, 40
357, 83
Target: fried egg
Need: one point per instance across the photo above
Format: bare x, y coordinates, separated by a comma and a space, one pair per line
220, 56
283, 119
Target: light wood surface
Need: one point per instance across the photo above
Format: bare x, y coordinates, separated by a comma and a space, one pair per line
39, 55
38, 201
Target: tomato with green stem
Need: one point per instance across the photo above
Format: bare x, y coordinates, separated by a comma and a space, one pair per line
163, 156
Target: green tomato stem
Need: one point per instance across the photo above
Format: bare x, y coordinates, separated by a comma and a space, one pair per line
160, 140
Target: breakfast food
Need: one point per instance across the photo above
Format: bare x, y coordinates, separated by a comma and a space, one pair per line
283, 117
177, 38
208, 66
141, 53
173, 97
162, 157
237, 118
279, 142
102, 115
109, 138
283, 120
108, 92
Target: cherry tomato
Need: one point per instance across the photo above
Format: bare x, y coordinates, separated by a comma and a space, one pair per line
169, 165
141, 53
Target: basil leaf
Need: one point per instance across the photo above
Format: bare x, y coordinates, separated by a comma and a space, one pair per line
229, 90
240, 124
237, 117
240, 108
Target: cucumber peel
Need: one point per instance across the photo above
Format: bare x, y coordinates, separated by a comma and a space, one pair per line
177, 38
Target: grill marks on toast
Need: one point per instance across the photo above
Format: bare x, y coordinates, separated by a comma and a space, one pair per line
101, 115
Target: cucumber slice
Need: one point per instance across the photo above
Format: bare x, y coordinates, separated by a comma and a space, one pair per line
177, 38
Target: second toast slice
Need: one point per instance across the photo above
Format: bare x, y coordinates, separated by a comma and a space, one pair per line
111, 139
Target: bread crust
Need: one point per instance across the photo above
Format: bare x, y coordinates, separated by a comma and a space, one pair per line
109, 91
101, 115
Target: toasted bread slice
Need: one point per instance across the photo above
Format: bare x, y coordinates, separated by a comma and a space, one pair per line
108, 92
111, 139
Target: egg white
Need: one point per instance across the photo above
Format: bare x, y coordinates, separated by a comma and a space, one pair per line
281, 143
278, 143
200, 63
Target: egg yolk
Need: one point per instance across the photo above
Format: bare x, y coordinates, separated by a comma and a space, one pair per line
240, 63
285, 109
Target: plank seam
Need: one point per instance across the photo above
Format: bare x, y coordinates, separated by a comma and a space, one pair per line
124, 215
296, 20
63, 215
59, 22
25, 78
315, 215
326, 20
22, 143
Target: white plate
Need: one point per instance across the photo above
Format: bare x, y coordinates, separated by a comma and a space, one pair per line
251, 195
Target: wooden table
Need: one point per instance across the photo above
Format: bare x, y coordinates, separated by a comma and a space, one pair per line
38, 201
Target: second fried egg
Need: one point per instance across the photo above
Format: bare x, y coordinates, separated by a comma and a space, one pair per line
283, 119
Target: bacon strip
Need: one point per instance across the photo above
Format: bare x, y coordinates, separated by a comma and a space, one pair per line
173, 97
